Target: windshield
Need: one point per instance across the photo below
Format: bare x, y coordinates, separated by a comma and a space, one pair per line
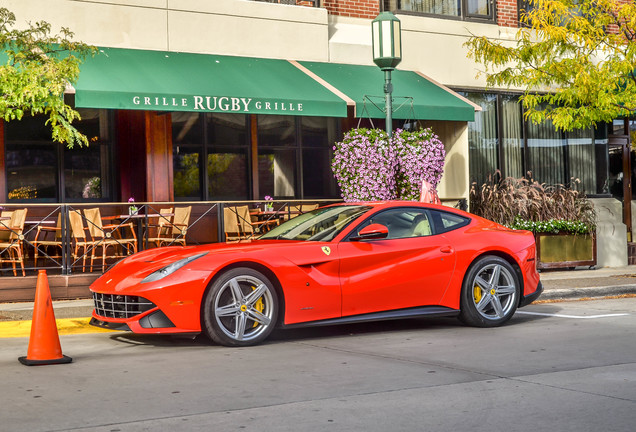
322, 224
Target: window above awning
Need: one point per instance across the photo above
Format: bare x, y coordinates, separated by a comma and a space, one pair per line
170, 81
415, 96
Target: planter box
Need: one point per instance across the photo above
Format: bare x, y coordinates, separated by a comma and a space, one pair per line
565, 250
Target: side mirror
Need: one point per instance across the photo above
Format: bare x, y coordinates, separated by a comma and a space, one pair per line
372, 232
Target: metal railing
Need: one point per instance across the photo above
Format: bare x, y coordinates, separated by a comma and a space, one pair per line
72, 238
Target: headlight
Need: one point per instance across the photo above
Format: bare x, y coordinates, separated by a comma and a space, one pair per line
171, 268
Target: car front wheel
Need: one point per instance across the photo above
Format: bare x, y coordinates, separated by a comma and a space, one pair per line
240, 308
490, 293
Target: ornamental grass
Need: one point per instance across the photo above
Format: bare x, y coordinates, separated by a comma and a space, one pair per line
523, 203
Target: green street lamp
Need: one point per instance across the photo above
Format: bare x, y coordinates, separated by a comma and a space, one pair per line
387, 53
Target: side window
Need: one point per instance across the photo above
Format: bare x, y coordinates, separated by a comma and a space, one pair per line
402, 222
446, 221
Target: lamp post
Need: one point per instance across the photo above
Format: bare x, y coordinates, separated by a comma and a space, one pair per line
387, 53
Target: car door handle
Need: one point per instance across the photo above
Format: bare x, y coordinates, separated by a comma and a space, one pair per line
446, 249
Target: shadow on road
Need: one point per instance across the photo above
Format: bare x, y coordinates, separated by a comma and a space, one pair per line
282, 335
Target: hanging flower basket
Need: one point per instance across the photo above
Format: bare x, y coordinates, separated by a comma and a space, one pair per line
371, 166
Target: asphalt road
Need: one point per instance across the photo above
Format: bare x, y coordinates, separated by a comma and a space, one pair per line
559, 366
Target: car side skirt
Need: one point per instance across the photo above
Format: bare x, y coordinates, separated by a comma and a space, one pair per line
416, 312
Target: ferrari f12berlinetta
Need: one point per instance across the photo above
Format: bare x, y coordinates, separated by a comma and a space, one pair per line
343, 263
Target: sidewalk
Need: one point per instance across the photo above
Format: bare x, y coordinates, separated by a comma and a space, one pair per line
579, 284
558, 285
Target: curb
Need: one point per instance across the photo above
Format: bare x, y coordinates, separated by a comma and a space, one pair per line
66, 326
579, 293
78, 324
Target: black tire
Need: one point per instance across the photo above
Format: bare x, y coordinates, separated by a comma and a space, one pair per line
240, 308
490, 292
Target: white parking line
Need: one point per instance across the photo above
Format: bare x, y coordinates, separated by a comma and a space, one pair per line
572, 316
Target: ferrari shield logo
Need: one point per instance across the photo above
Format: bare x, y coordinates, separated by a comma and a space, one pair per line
326, 250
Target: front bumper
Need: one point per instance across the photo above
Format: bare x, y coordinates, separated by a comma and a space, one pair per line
526, 300
109, 325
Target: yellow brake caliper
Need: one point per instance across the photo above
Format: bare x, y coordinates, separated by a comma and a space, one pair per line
477, 294
259, 306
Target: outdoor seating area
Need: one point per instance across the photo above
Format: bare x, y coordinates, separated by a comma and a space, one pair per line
81, 239
242, 224
12, 239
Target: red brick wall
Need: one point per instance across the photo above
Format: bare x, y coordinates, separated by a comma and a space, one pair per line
352, 8
506, 10
507, 15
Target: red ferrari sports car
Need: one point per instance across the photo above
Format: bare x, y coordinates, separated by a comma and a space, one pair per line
343, 263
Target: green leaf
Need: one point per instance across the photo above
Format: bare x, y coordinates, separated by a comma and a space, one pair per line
581, 52
39, 65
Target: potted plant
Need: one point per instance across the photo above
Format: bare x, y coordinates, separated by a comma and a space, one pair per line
561, 217
370, 165
132, 207
269, 203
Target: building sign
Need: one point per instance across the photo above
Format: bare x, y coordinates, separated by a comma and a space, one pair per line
217, 104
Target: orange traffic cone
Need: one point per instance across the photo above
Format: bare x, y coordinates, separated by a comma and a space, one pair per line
44, 344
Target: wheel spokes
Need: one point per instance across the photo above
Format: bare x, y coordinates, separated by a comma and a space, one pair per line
241, 320
505, 290
483, 284
494, 278
258, 317
237, 293
227, 311
496, 305
485, 301
256, 294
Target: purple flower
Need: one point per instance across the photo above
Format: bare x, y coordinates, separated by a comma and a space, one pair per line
370, 166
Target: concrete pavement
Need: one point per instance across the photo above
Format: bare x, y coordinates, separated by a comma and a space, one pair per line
73, 315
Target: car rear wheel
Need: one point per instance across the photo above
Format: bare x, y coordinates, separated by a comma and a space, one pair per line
490, 293
240, 308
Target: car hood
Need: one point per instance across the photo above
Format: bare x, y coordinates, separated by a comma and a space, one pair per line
136, 267
166, 255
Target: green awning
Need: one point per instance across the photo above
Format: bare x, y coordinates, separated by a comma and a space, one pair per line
169, 81
415, 96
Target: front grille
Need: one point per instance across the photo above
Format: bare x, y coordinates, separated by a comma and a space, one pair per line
120, 306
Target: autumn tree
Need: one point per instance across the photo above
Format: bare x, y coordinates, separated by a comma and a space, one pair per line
573, 59
36, 67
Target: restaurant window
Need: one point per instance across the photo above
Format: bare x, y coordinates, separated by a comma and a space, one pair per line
318, 135
277, 156
480, 10
39, 169
499, 139
210, 158
187, 139
227, 157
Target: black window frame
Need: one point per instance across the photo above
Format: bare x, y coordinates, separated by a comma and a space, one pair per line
599, 141
300, 148
60, 150
206, 147
371, 219
464, 15
438, 223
